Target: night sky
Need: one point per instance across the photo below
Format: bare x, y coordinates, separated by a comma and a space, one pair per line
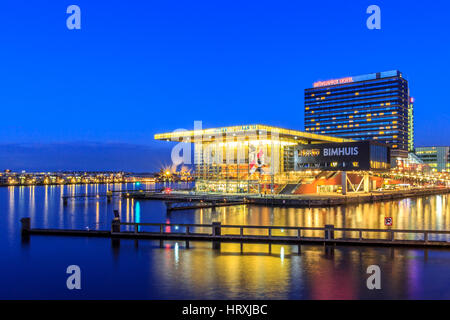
92, 99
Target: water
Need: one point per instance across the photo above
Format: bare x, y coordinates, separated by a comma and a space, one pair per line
145, 270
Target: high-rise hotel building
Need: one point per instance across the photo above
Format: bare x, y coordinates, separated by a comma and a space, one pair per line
374, 106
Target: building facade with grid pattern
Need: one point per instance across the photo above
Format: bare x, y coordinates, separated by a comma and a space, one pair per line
374, 106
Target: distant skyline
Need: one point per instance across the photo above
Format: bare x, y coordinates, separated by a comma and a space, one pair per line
134, 70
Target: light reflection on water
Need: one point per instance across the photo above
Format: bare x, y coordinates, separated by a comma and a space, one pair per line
148, 269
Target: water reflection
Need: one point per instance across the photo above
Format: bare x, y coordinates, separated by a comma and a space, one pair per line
282, 272
194, 270
416, 213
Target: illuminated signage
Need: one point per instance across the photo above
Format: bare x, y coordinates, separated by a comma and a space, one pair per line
309, 152
351, 151
332, 82
329, 152
348, 156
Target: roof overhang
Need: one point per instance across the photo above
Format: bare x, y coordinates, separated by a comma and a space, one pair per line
248, 131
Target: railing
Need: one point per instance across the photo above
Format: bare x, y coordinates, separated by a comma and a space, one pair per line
217, 230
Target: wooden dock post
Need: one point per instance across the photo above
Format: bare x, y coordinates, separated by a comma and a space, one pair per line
115, 225
26, 225
329, 232
109, 196
216, 226
65, 201
216, 231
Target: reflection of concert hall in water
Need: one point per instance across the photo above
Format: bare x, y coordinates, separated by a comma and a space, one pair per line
171, 270
292, 272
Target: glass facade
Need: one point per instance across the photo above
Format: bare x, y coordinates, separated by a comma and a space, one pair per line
369, 107
246, 159
438, 158
411, 125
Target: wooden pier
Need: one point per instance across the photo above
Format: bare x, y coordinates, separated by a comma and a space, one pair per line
216, 232
300, 201
178, 205
108, 195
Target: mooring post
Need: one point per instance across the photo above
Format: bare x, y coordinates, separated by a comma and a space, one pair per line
216, 226
329, 232
115, 225
216, 231
108, 196
65, 201
26, 223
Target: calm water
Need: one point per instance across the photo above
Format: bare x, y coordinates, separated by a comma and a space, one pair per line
145, 270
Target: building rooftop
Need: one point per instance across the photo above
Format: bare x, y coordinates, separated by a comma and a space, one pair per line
359, 78
248, 130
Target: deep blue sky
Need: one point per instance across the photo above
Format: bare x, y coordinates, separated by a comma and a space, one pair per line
141, 67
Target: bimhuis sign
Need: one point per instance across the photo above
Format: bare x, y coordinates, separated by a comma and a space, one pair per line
333, 156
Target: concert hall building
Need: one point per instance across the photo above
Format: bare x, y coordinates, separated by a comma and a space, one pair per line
272, 160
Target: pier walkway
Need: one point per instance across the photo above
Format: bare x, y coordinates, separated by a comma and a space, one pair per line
216, 232
301, 200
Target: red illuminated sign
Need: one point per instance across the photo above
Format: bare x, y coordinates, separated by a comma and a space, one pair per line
332, 82
388, 221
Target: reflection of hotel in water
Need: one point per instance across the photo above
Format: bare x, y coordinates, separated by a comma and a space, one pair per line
257, 158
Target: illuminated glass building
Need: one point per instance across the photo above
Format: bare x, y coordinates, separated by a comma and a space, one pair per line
374, 106
438, 158
265, 159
